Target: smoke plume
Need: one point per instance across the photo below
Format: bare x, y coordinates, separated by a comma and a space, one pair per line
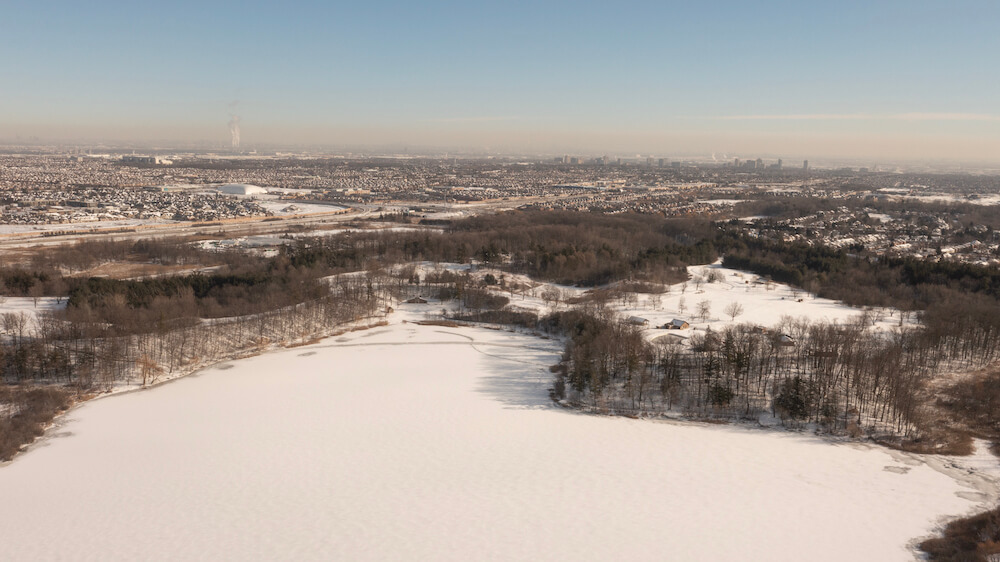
234, 129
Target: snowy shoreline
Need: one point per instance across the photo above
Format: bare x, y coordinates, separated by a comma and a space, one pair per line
979, 471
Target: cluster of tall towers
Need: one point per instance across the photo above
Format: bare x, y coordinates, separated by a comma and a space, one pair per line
758, 164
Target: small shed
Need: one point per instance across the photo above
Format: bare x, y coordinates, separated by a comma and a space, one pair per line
637, 321
785, 340
417, 300
678, 324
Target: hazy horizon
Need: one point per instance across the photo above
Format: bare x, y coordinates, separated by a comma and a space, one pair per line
893, 81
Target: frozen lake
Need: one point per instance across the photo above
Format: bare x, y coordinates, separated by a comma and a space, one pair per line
428, 443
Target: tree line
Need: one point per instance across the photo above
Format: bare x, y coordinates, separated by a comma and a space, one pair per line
564, 247
844, 377
861, 280
54, 349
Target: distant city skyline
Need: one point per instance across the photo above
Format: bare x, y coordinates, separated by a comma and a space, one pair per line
884, 81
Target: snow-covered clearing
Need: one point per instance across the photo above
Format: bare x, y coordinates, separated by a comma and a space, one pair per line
20, 229
955, 198
29, 307
417, 442
388, 227
282, 207
268, 241
270, 198
760, 303
720, 202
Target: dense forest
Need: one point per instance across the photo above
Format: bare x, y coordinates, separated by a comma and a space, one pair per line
841, 377
861, 280
563, 247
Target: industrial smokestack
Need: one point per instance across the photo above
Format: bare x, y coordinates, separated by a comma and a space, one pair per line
234, 129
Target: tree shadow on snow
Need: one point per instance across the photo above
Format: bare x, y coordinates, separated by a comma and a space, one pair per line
518, 380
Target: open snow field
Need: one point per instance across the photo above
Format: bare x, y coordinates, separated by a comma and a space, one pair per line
429, 443
29, 307
16, 229
761, 304
286, 207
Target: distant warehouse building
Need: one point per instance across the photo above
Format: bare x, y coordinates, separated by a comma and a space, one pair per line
241, 189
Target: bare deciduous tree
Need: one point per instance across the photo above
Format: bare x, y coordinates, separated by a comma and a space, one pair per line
552, 296
149, 370
733, 310
704, 309
631, 300
655, 301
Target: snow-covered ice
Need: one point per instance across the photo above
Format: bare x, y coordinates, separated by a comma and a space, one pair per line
431, 443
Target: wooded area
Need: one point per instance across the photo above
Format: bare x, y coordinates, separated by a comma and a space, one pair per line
841, 377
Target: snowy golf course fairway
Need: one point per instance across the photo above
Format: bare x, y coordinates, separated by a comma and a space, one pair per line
417, 443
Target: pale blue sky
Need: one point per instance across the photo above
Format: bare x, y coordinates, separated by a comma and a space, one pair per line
845, 77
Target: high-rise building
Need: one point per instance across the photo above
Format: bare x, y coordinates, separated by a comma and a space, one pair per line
779, 163
805, 164
759, 164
